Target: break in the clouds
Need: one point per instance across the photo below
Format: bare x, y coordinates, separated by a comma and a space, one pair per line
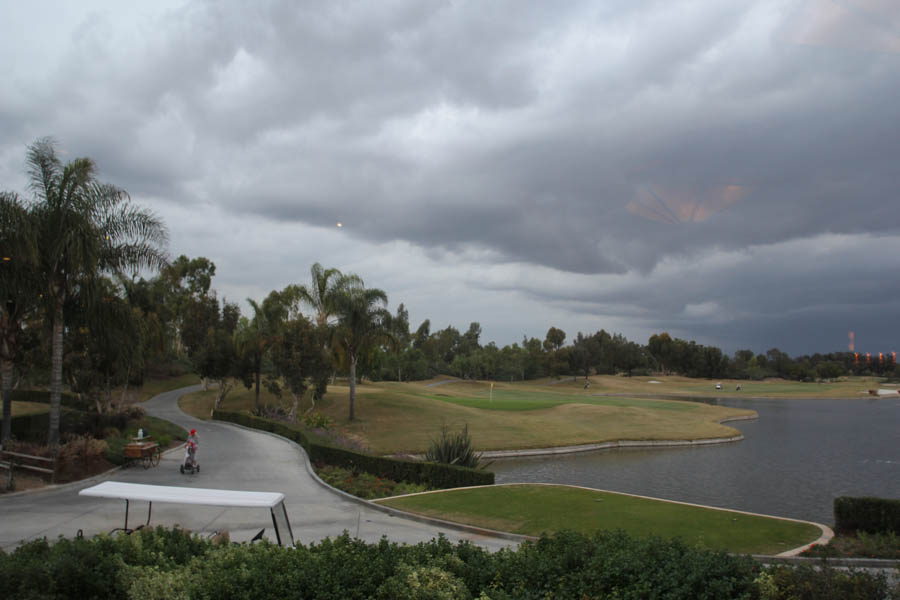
726, 171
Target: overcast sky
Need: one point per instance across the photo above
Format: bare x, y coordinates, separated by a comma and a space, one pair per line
726, 171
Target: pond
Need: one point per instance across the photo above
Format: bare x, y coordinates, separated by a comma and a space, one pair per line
795, 459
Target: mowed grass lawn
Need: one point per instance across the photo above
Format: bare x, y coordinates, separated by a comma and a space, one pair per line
536, 509
405, 417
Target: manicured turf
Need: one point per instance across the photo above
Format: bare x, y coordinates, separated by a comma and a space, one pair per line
536, 509
535, 414
513, 397
538, 417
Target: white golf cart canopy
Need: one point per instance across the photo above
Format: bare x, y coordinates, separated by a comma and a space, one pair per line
274, 501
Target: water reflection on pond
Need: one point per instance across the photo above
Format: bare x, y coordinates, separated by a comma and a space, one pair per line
795, 459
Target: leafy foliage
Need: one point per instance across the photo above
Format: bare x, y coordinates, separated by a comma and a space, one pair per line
365, 485
363, 324
83, 228
159, 563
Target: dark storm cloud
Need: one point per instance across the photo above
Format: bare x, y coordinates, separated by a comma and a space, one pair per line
816, 154
631, 151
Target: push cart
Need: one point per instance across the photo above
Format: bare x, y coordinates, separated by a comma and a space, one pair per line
142, 450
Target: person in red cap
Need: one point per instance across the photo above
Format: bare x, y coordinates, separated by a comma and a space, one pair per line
190, 455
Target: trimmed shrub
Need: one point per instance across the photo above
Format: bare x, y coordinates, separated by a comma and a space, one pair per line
96, 568
433, 475
365, 485
30, 428
570, 565
823, 583
872, 515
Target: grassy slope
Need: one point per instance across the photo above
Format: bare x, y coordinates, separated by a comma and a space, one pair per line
522, 415
537, 413
535, 509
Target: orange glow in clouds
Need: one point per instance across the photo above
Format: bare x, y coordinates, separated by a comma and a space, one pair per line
676, 204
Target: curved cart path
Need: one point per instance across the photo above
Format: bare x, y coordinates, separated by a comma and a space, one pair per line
230, 457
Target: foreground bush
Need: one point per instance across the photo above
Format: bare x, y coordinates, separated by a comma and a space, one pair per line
160, 563
174, 564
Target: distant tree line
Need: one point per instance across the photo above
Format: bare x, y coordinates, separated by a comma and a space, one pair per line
449, 352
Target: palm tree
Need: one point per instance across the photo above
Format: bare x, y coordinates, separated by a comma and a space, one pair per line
262, 331
322, 294
84, 227
19, 291
363, 322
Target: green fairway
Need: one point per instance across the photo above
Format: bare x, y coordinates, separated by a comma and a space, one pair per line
536, 509
537, 414
515, 398
520, 415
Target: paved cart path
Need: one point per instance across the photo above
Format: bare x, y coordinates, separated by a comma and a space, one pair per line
230, 457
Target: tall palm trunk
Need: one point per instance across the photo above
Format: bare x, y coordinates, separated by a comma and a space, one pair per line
6, 374
56, 363
352, 383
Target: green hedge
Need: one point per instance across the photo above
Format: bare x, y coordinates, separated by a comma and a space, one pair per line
160, 563
872, 515
30, 427
174, 564
34, 427
435, 475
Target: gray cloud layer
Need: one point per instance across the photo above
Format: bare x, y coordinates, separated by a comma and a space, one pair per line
726, 171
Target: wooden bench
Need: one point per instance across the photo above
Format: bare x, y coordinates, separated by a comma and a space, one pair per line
11, 461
